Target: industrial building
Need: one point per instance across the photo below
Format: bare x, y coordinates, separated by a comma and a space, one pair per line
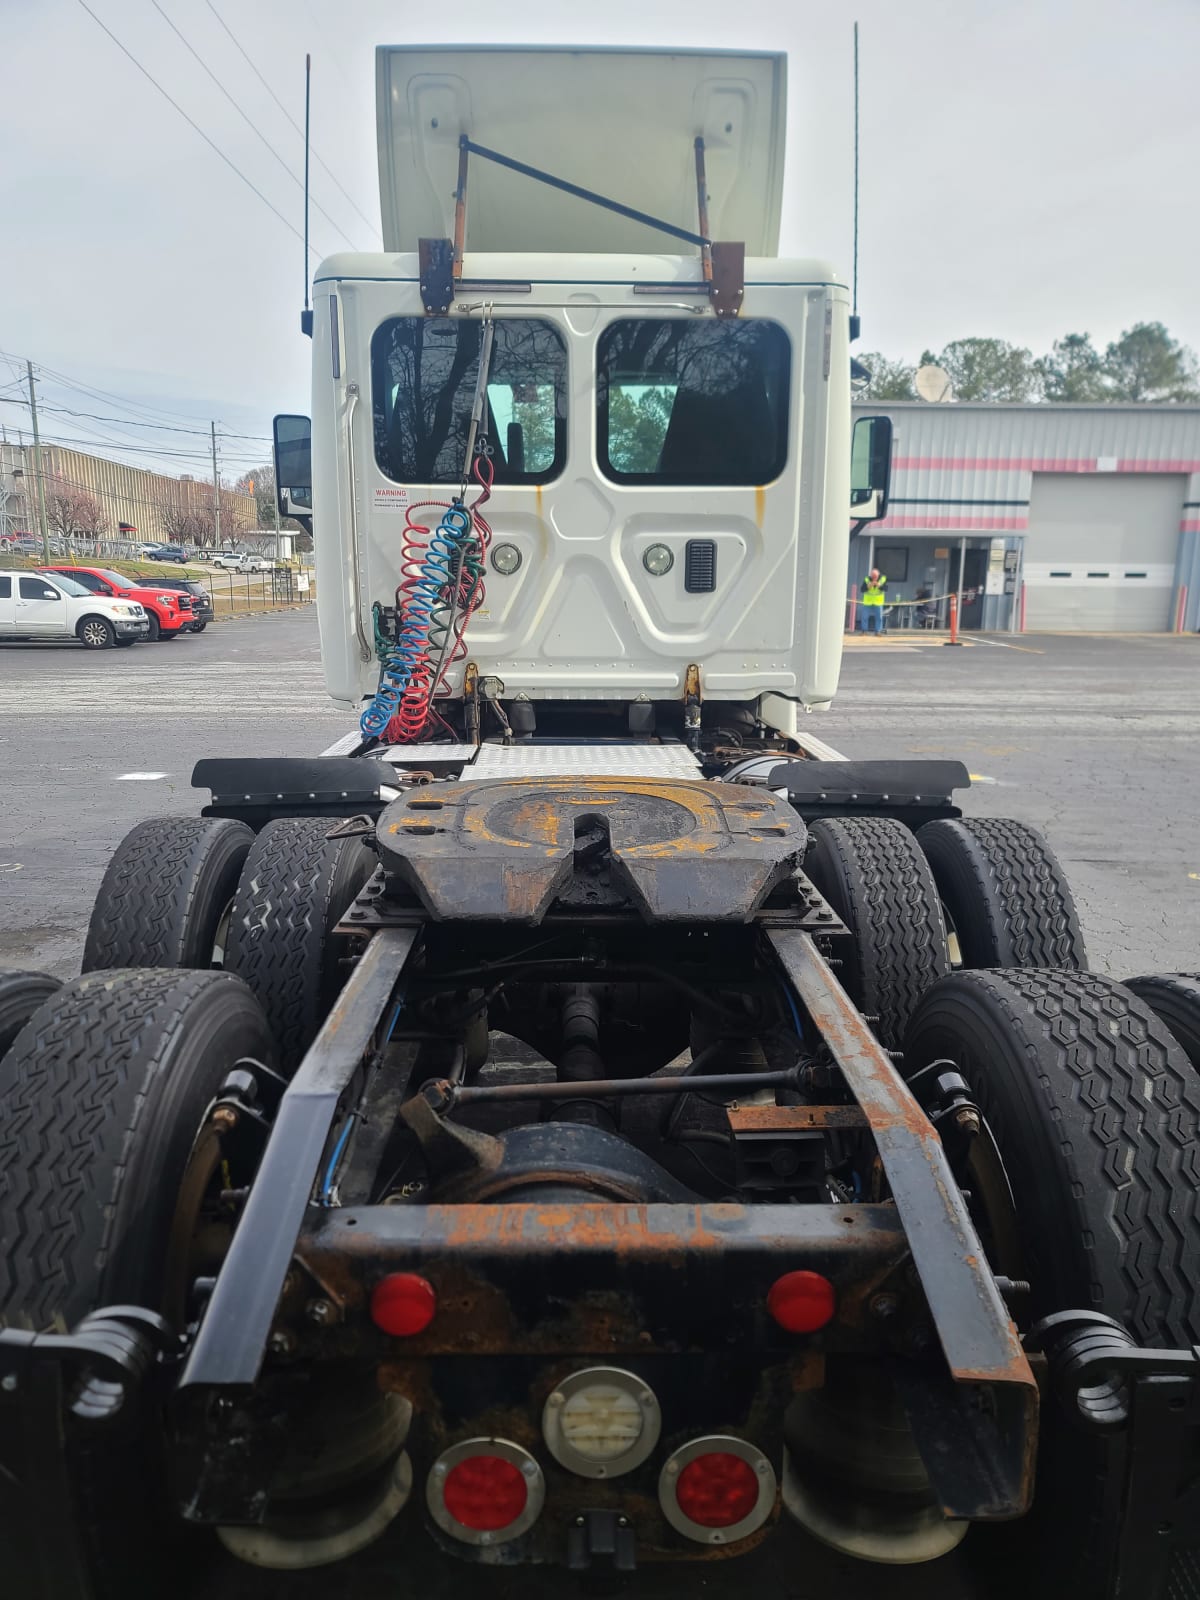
128, 502
1040, 517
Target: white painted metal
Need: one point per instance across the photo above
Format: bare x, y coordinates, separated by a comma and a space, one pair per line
585, 760
582, 619
1101, 550
621, 123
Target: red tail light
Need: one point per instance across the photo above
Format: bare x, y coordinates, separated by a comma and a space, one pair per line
801, 1302
403, 1304
717, 1490
485, 1491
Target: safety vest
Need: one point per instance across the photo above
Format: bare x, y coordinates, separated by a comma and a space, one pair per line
873, 592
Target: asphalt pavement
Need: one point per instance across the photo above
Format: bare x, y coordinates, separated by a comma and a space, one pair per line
1093, 740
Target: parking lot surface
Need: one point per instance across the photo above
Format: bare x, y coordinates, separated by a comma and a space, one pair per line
1092, 740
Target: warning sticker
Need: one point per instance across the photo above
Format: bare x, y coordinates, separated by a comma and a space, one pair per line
391, 497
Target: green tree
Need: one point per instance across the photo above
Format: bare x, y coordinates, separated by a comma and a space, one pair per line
991, 369
1073, 372
637, 425
890, 380
1146, 364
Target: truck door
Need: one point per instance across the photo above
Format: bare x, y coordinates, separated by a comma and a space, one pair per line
41, 609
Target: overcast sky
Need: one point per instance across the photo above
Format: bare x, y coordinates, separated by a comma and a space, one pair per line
1028, 169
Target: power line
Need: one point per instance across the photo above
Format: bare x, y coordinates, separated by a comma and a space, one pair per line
316, 156
250, 123
146, 73
132, 422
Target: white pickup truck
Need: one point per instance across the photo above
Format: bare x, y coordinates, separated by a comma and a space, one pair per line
33, 606
242, 561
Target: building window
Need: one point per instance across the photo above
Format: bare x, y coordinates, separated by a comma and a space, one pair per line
892, 561
423, 376
692, 402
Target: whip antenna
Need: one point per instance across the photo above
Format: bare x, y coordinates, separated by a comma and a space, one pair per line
306, 316
854, 323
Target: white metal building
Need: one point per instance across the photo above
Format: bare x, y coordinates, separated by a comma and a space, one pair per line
1046, 517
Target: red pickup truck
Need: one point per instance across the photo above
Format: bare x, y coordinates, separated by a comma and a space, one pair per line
170, 613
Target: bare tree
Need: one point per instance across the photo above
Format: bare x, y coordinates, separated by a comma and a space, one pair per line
74, 512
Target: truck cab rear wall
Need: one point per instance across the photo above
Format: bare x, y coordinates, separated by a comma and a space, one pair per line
582, 616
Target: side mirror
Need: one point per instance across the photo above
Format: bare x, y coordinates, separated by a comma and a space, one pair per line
870, 468
293, 468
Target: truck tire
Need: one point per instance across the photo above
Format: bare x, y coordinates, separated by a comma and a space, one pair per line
166, 894
21, 993
876, 879
96, 633
1004, 894
294, 888
155, 626
105, 1094
1095, 1112
1174, 997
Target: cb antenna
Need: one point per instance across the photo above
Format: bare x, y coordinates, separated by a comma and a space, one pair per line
306, 316
854, 318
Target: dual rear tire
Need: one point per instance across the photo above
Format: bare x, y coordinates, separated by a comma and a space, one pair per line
199, 892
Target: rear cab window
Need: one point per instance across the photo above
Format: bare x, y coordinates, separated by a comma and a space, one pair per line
423, 376
682, 402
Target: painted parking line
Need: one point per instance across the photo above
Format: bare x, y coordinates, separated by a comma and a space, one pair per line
140, 777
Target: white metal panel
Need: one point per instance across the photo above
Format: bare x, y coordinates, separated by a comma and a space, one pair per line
582, 620
1101, 551
619, 122
585, 760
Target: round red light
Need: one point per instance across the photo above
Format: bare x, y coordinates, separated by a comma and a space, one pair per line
718, 1489
801, 1302
403, 1304
485, 1493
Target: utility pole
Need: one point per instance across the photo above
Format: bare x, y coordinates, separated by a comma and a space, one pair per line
37, 463
216, 492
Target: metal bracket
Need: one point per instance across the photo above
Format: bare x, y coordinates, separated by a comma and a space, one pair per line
729, 279
436, 258
602, 1539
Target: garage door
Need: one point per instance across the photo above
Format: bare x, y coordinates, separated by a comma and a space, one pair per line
1100, 552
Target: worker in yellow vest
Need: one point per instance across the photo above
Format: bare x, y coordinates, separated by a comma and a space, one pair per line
873, 598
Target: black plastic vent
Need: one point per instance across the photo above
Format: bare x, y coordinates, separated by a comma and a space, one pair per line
700, 566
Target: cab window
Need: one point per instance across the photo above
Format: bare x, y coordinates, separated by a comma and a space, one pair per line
5, 588
683, 402
423, 376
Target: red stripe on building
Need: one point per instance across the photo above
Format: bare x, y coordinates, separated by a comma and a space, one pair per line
1032, 464
1190, 525
907, 521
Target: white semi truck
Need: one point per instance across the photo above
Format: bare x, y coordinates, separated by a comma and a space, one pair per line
581, 1120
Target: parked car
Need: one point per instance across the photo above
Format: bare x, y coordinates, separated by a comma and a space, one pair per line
168, 552
38, 605
243, 561
202, 606
169, 612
